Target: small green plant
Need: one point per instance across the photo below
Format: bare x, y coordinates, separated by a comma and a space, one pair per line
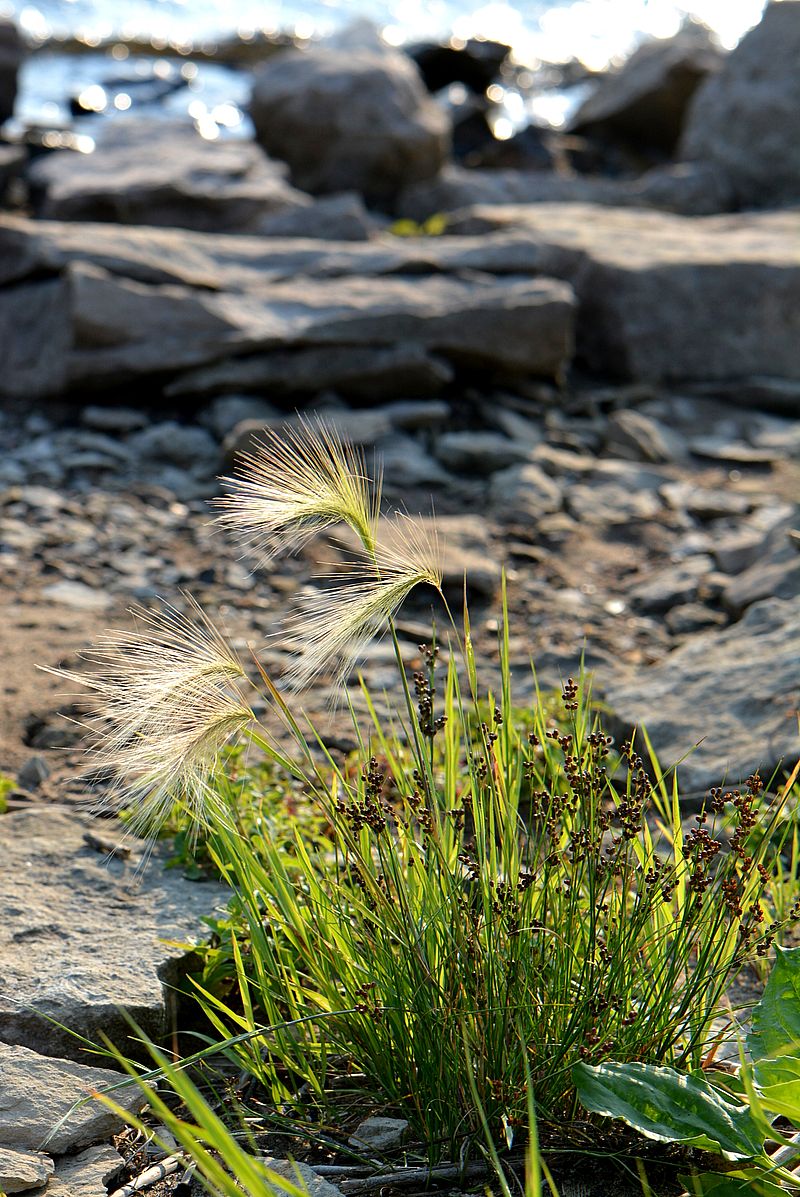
733, 1116
481, 905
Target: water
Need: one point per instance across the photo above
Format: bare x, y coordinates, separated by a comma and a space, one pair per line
594, 31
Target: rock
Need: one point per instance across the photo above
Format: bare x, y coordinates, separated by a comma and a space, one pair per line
669, 298
77, 595
22, 1170
224, 413
735, 553
340, 217
12, 52
735, 690
671, 587
31, 776
355, 427
476, 63
357, 371
467, 549
611, 503
692, 189
704, 504
80, 939
774, 574
475, 452
407, 464
113, 419
94, 327
180, 444
637, 437
379, 1134
13, 160
165, 174
644, 102
302, 1175
37, 1094
84, 1174
413, 414
35, 339
687, 618
349, 118
524, 492
743, 120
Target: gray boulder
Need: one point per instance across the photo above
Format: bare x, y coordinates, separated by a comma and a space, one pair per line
81, 939
672, 298
40, 1096
644, 103
690, 189
91, 327
744, 120
165, 174
732, 693
349, 118
12, 52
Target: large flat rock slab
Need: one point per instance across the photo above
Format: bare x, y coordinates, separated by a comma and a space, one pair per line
734, 693
82, 937
38, 1097
665, 297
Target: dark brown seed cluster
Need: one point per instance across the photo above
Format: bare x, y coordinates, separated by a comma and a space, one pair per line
429, 725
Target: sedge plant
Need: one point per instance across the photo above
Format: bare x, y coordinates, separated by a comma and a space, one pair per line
483, 905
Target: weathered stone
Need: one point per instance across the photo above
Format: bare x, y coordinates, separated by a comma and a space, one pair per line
612, 502
113, 419
406, 463
359, 371
77, 595
244, 263
106, 329
689, 188
668, 588
703, 503
37, 1095
80, 938
35, 339
478, 452
12, 52
524, 492
645, 101
31, 775
22, 1170
224, 413
687, 618
349, 118
637, 437
302, 1175
332, 218
165, 175
775, 574
664, 297
379, 1134
84, 1174
744, 119
181, 444
734, 690
13, 159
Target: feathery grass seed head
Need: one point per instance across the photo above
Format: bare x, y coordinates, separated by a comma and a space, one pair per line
165, 700
297, 482
335, 624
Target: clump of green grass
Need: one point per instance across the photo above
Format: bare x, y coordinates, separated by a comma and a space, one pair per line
479, 907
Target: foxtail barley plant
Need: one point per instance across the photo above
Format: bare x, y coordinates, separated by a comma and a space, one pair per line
489, 904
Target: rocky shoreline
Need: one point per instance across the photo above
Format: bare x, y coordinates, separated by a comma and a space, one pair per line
595, 380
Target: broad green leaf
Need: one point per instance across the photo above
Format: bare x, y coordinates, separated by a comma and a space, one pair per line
670, 1106
776, 1018
779, 1085
732, 1184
